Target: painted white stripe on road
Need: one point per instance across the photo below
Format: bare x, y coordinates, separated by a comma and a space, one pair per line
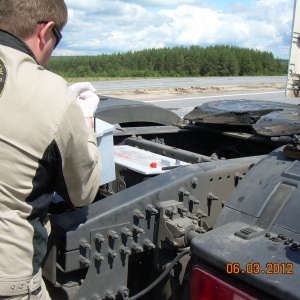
215, 96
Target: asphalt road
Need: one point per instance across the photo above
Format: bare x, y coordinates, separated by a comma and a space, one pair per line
183, 82
182, 104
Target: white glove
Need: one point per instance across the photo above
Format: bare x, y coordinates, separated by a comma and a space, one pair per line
86, 97
81, 87
88, 102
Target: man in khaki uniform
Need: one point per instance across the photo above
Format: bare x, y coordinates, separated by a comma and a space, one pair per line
45, 143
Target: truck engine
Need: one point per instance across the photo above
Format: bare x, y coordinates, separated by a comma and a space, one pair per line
166, 181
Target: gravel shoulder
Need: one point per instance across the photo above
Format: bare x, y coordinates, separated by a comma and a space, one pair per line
153, 93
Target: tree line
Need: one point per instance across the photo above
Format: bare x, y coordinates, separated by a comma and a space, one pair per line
172, 62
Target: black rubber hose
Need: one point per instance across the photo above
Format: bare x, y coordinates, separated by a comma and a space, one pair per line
161, 276
175, 282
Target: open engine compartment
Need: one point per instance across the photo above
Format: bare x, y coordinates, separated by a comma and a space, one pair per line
140, 221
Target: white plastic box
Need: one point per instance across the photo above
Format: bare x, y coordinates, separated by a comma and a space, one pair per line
105, 144
144, 162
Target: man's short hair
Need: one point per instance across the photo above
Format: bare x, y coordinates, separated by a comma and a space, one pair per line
20, 17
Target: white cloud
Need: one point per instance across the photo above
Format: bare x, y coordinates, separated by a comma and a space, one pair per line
97, 27
160, 3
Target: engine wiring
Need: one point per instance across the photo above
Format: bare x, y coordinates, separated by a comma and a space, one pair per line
160, 278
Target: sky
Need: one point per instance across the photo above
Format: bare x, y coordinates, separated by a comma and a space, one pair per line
116, 26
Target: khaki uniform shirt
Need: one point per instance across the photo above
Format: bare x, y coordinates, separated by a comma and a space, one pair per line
45, 146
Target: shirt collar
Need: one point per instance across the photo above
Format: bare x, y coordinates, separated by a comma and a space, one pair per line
9, 40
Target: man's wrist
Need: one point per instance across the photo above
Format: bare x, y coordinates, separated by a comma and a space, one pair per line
89, 122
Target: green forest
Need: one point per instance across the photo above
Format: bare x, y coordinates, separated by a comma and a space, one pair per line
172, 62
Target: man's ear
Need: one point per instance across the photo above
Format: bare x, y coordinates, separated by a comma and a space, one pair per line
45, 33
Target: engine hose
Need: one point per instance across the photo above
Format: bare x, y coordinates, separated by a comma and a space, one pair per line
175, 284
161, 276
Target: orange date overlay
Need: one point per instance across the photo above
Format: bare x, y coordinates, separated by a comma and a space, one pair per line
257, 268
